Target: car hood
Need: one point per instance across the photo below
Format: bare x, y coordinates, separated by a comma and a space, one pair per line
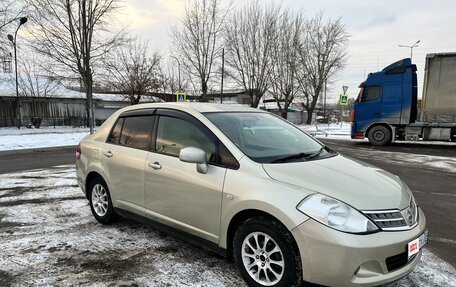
354, 182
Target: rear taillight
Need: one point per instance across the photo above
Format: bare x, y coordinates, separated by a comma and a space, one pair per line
78, 151
352, 116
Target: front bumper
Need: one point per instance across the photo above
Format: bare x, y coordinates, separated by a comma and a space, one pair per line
355, 134
333, 258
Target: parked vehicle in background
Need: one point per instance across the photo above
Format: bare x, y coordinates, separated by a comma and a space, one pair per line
386, 109
247, 184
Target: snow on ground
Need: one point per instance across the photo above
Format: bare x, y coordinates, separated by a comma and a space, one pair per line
49, 237
325, 130
14, 139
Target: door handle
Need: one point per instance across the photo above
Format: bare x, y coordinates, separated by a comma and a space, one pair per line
156, 165
108, 154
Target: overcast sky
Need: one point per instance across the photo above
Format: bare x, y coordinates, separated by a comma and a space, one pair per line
376, 29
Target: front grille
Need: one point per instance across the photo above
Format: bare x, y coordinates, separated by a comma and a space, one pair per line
387, 220
398, 261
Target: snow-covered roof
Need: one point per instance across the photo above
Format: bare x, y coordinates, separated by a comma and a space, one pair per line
216, 93
273, 106
122, 98
55, 89
41, 85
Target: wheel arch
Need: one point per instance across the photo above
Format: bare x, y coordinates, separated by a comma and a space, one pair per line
238, 219
90, 176
385, 124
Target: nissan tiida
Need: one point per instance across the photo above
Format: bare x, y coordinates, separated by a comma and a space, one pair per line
251, 186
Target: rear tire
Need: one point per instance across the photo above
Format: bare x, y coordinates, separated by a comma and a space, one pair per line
266, 254
379, 136
100, 201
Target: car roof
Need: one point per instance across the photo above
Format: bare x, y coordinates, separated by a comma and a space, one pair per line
197, 106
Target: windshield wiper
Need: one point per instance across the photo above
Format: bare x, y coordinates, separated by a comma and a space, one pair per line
306, 156
314, 155
290, 157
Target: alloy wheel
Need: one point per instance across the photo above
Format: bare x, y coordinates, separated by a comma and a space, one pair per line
99, 199
262, 258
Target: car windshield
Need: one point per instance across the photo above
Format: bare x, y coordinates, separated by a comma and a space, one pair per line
266, 138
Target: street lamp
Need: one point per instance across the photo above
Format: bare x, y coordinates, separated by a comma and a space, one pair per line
22, 21
179, 71
410, 47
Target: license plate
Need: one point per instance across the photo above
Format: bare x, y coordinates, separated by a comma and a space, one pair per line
415, 245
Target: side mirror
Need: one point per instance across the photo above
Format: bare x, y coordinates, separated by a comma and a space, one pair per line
195, 155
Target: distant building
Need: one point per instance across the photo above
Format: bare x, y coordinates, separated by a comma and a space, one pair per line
55, 104
229, 97
295, 114
51, 101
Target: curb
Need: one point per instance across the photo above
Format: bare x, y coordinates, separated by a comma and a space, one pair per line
32, 150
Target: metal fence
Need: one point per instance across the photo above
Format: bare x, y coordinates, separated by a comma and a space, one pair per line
57, 121
45, 121
52, 111
7, 122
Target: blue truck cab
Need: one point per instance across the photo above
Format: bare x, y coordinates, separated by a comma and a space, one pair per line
387, 101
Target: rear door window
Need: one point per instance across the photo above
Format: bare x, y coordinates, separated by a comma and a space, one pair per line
136, 132
115, 133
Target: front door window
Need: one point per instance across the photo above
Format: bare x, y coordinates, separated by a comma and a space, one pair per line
174, 134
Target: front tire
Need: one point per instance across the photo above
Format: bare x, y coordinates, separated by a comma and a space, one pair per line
266, 254
379, 136
100, 201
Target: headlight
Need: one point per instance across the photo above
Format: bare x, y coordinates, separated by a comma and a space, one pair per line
410, 215
336, 214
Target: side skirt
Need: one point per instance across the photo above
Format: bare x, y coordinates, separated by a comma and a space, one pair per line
177, 233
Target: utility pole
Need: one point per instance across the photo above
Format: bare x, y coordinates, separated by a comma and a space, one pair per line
178, 72
324, 104
22, 21
223, 72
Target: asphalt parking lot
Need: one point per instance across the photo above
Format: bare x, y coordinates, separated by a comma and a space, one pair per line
48, 237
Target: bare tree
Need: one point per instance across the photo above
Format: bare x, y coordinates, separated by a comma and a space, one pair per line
171, 79
250, 36
286, 60
32, 81
198, 41
323, 55
75, 35
10, 11
133, 71
167, 81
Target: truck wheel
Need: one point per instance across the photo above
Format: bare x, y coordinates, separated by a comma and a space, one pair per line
379, 135
266, 254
